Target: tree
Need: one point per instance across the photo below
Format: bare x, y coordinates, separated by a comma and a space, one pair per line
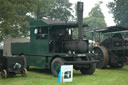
61, 11
119, 9
95, 19
14, 21
41, 8
57, 10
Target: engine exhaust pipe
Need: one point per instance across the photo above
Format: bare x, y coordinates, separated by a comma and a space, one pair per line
80, 19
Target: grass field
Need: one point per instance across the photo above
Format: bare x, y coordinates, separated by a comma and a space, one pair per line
43, 77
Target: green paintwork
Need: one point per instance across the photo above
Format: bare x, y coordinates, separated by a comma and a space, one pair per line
37, 50
38, 23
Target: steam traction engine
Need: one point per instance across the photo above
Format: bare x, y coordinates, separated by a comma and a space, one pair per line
113, 50
51, 45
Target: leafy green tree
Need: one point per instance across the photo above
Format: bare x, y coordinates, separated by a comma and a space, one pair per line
41, 8
61, 11
56, 10
14, 21
95, 20
119, 8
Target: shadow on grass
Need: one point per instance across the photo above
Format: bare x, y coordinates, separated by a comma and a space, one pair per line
48, 72
83, 75
42, 71
11, 76
116, 68
15, 76
76, 73
36, 70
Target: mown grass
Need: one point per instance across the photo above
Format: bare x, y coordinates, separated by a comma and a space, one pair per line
44, 77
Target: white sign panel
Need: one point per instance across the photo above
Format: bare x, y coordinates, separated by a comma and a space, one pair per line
66, 73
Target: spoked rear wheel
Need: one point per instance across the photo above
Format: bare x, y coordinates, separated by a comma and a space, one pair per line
89, 70
101, 55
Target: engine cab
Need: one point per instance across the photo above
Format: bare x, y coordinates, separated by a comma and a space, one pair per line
59, 38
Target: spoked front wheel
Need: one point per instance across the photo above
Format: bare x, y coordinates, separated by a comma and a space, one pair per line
56, 65
90, 70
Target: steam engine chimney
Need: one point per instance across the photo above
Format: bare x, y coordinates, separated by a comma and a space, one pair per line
80, 19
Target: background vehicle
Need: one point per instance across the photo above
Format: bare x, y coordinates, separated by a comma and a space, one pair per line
113, 49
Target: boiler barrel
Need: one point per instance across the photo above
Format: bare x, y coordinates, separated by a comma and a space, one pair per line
77, 46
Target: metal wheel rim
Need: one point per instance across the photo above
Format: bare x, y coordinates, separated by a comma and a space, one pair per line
56, 67
3, 73
24, 72
104, 58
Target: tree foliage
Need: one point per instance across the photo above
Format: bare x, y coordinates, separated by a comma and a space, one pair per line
119, 8
96, 18
13, 17
61, 11
56, 10
41, 8
14, 21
